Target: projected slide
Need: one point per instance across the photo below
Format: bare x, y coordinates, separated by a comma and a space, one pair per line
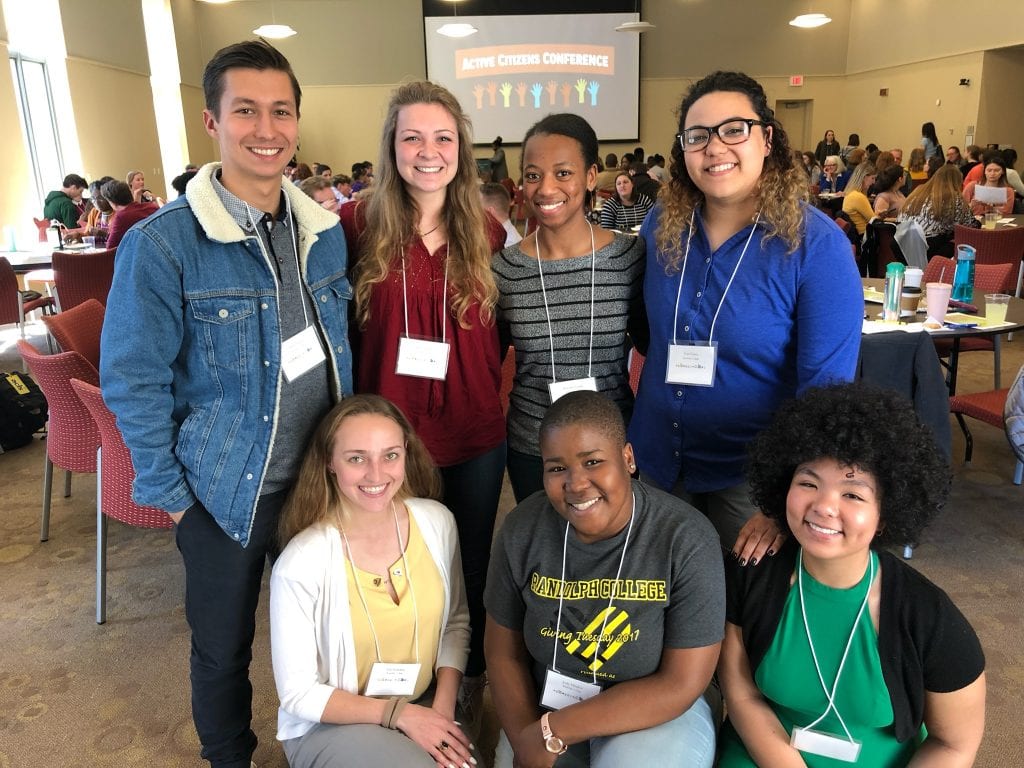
517, 69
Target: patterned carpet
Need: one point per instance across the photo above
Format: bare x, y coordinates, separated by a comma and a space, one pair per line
73, 693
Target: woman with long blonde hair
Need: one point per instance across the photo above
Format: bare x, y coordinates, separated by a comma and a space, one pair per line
368, 618
425, 299
938, 206
752, 296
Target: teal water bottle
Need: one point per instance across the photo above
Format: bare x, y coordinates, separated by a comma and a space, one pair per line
963, 278
894, 275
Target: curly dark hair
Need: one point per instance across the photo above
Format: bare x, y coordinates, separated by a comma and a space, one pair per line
862, 426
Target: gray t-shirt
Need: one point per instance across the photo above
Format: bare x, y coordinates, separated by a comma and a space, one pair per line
671, 593
618, 308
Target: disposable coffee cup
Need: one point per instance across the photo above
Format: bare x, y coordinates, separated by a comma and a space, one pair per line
937, 295
912, 277
909, 300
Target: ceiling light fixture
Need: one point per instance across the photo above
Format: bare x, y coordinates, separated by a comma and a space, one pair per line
456, 28
810, 20
274, 30
635, 26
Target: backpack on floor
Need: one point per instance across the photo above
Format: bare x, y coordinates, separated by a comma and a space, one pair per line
22, 410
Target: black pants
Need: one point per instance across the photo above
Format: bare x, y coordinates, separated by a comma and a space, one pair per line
525, 473
222, 590
471, 491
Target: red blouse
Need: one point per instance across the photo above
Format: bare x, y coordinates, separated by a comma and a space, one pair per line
461, 417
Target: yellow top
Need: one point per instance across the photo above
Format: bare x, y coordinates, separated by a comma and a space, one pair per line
394, 624
858, 207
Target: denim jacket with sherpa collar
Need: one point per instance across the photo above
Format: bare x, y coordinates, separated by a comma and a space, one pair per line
191, 350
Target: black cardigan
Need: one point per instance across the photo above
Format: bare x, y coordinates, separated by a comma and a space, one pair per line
924, 642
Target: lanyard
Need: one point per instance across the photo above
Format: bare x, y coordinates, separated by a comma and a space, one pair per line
444, 299
682, 272
544, 296
831, 695
295, 251
408, 578
611, 596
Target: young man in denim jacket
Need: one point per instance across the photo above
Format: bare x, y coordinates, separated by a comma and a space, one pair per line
225, 341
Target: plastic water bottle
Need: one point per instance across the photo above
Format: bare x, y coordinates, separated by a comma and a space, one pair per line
894, 274
963, 278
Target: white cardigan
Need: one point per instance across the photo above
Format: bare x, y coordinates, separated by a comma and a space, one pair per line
310, 626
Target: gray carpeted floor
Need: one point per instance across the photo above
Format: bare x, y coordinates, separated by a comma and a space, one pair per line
76, 694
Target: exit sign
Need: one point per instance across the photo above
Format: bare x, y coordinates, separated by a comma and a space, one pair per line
796, 80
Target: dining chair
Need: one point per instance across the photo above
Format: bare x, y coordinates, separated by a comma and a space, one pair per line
113, 487
78, 329
14, 305
72, 437
81, 276
988, 278
996, 246
880, 248
987, 407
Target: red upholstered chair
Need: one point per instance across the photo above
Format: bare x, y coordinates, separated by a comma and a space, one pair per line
113, 487
78, 329
71, 438
13, 306
988, 278
41, 226
81, 276
996, 246
986, 407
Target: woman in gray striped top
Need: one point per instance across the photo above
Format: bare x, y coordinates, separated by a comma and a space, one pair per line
570, 295
627, 207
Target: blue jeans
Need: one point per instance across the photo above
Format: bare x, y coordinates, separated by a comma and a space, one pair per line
471, 491
222, 590
688, 741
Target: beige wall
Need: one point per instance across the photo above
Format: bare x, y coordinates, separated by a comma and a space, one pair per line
116, 126
110, 31
201, 148
1001, 108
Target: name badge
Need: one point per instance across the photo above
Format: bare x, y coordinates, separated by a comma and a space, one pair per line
422, 358
692, 363
301, 353
387, 679
825, 744
559, 388
562, 691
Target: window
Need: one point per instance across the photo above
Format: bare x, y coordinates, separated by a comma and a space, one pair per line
38, 121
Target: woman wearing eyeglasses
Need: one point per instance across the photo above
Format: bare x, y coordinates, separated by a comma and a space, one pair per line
752, 297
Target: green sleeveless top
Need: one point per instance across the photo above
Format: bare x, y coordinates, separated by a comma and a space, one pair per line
790, 684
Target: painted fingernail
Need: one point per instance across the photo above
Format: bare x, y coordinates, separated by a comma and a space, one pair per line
472, 760
771, 552
753, 561
735, 555
743, 561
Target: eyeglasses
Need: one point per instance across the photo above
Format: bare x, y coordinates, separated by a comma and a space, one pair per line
734, 131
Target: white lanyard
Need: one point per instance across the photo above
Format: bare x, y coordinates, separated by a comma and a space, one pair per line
611, 592
544, 296
295, 250
408, 578
831, 695
682, 272
444, 300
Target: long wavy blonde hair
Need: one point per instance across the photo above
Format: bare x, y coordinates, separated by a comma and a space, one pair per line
391, 215
316, 497
781, 191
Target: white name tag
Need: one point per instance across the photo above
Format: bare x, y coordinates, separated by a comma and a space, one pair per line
562, 691
559, 388
301, 353
692, 363
388, 679
422, 358
825, 744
